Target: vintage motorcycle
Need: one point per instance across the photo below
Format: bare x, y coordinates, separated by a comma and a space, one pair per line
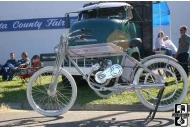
52, 90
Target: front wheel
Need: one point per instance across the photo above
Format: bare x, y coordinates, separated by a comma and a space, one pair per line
51, 102
175, 88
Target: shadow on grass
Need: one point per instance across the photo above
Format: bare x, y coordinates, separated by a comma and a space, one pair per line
16, 93
85, 95
14, 96
11, 86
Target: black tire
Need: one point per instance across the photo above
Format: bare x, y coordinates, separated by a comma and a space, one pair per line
79, 80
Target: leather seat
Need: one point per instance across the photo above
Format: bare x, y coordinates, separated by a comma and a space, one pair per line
135, 42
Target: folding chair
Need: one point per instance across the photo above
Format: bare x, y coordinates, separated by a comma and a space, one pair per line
26, 73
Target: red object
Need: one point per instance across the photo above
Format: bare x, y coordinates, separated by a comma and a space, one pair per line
36, 64
26, 73
25, 76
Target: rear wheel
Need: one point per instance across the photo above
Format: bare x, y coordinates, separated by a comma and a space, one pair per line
51, 102
175, 91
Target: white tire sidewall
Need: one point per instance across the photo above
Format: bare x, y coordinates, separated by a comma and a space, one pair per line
185, 87
50, 69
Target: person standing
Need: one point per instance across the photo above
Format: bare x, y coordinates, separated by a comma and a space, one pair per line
182, 54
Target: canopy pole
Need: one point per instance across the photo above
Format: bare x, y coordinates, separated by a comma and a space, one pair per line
170, 29
160, 23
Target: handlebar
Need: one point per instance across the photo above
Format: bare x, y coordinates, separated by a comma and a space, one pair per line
73, 32
80, 36
83, 30
65, 38
85, 36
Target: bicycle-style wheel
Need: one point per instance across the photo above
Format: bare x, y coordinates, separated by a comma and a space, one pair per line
51, 102
171, 72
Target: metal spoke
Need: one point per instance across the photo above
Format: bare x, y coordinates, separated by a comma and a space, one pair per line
62, 96
169, 73
41, 90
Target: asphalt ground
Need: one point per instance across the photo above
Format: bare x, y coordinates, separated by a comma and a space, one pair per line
12, 118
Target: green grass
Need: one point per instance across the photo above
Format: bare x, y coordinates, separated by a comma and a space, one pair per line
15, 92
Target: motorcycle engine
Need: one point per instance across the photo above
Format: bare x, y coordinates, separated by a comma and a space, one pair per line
108, 72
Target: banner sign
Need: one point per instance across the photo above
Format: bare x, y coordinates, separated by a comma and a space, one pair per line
35, 24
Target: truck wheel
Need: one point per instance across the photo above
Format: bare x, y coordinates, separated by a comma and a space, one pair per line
79, 80
136, 56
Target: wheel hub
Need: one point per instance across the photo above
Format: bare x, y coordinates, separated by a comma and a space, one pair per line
51, 90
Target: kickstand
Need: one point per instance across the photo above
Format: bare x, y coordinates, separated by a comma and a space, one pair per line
152, 113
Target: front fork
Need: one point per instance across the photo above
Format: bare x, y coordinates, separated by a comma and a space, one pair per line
60, 56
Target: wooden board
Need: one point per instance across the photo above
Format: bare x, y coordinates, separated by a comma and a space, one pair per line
93, 50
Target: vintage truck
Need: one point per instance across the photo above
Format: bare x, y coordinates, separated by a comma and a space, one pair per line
111, 21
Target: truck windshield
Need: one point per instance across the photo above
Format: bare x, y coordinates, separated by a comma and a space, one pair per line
117, 12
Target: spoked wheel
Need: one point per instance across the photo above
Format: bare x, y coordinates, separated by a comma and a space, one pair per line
108, 83
51, 102
176, 83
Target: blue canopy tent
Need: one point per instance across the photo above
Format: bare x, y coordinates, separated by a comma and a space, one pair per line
161, 14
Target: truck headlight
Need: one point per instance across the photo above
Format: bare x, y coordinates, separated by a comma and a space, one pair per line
56, 49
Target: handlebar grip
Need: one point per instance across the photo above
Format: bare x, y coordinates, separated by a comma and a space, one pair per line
86, 30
